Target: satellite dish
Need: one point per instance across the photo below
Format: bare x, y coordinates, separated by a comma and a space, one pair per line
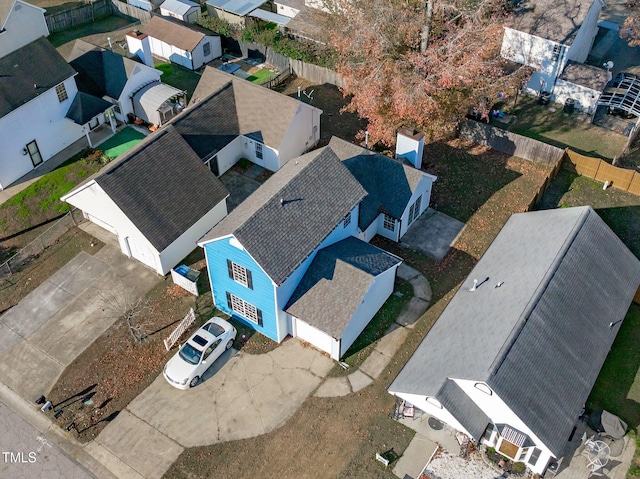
608, 65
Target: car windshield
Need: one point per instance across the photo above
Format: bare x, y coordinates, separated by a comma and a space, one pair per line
214, 328
190, 354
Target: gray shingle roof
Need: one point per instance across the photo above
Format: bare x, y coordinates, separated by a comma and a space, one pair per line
585, 75
84, 107
317, 191
185, 36
556, 20
389, 183
255, 111
462, 407
332, 289
238, 7
162, 186
29, 72
566, 277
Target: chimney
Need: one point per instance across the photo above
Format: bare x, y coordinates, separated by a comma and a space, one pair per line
138, 43
409, 145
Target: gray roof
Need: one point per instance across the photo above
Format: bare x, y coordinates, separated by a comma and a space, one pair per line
305, 24
462, 407
333, 287
179, 6
585, 75
389, 183
84, 107
185, 36
556, 20
317, 192
162, 187
238, 7
239, 107
28, 72
297, 4
565, 276
101, 72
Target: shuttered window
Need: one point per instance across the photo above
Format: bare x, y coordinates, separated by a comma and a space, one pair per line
240, 274
244, 309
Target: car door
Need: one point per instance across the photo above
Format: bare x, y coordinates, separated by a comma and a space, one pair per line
211, 354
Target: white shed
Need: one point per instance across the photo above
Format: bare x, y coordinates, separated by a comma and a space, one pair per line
184, 10
344, 287
157, 103
158, 199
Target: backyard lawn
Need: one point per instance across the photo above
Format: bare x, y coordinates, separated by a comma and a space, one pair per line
261, 76
121, 142
179, 77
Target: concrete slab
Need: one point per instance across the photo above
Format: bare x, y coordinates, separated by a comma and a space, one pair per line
434, 430
421, 288
359, 380
433, 233
413, 311
8, 338
375, 364
239, 187
78, 273
28, 370
392, 340
112, 462
406, 272
415, 457
36, 309
333, 387
143, 448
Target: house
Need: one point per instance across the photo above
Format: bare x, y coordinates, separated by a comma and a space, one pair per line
316, 277
184, 10
397, 194
41, 112
513, 357
546, 35
20, 24
233, 11
158, 199
187, 45
132, 87
238, 119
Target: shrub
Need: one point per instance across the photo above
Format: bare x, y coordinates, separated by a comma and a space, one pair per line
518, 467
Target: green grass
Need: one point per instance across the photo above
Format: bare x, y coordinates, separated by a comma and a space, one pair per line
121, 142
261, 76
179, 77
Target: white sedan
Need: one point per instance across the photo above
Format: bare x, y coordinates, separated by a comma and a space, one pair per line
185, 369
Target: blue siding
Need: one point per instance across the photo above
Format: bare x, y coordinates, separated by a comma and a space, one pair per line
262, 296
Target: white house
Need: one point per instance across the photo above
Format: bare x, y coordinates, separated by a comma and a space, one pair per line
20, 24
546, 35
122, 82
187, 45
158, 199
40, 111
240, 119
184, 10
513, 357
583, 84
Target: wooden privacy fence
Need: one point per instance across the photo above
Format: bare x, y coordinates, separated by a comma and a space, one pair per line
547, 182
600, 170
179, 331
78, 15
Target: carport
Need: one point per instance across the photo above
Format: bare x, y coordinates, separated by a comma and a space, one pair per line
619, 104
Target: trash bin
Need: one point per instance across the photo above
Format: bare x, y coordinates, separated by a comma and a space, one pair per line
569, 105
544, 98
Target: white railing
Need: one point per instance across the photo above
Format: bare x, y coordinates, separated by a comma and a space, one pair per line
179, 331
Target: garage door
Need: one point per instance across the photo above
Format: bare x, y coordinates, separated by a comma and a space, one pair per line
141, 252
317, 338
101, 224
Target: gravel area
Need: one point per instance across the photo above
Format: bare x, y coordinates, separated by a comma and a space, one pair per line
447, 466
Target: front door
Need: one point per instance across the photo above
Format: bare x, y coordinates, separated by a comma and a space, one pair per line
34, 153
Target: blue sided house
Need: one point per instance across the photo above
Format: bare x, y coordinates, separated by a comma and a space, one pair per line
294, 259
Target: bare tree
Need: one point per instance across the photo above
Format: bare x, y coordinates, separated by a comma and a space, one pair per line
125, 305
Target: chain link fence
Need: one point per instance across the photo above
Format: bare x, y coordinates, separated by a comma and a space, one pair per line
42, 242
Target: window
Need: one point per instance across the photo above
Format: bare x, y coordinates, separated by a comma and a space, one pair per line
244, 309
347, 220
94, 123
535, 455
523, 453
212, 164
34, 152
240, 274
116, 107
389, 223
556, 52
484, 388
259, 150
488, 432
206, 49
414, 210
61, 91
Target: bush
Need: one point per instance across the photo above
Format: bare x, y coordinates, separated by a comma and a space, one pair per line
218, 25
518, 468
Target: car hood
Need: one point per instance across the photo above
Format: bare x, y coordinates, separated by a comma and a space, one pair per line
178, 369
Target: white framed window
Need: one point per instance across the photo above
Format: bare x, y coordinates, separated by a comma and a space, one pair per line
61, 91
414, 209
557, 49
259, 150
244, 309
389, 223
34, 152
347, 220
239, 274
206, 49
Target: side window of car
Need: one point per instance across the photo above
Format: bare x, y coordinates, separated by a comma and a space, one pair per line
211, 348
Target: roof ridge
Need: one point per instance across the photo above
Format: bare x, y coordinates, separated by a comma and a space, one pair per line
537, 295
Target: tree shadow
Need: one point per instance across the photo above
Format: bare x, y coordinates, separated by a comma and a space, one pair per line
80, 396
109, 418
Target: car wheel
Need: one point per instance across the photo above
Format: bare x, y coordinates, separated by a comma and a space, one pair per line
229, 344
194, 381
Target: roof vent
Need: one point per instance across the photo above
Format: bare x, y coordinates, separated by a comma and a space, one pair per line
282, 201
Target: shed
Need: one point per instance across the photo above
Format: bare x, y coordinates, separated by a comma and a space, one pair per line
157, 103
184, 10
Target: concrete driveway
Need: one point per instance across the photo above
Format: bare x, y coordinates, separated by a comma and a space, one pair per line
241, 396
52, 325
